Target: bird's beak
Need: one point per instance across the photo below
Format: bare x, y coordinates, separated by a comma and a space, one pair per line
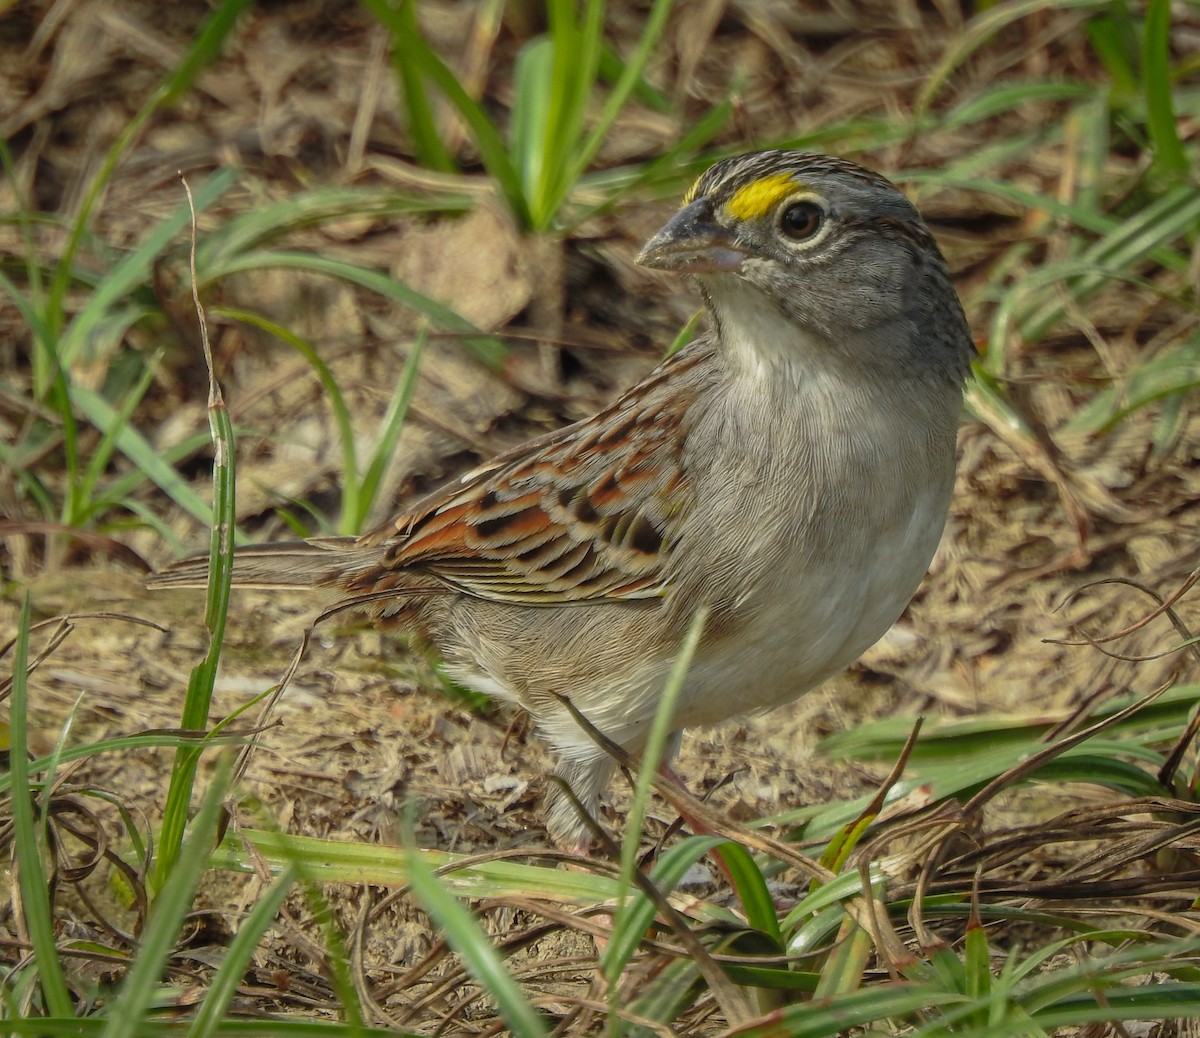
692, 242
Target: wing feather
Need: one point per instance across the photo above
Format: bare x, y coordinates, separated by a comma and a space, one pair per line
586, 513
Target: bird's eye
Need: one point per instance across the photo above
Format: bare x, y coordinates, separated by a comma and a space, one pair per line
801, 220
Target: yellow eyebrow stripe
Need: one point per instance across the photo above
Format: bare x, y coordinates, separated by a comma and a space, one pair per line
757, 199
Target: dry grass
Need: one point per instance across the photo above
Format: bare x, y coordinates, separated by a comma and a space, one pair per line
303, 96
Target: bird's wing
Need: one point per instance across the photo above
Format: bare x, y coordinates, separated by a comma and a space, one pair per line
586, 513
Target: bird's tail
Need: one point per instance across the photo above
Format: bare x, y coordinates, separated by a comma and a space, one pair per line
323, 563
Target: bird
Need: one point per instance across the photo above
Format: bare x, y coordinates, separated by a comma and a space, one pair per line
789, 471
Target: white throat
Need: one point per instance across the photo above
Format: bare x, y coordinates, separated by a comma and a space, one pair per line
758, 340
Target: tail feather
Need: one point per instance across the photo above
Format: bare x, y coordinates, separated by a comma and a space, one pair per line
320, 563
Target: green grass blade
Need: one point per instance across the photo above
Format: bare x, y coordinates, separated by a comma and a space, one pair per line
487, 349
116, 492
1144, 1002
836, 1016
337, 404
423, 60
122, 743
30, 314
660, 731
1085, 216
134, 269
637, 912
668, 995
1161, 120
201, 682
1113, 36
204, 47
610, 69
60, 400
843, 970
1174, 373
820, 912
1004, 99
270, 220
574, 61
339, 861
233, 1027
581, 157
56, 758
751, 887
25, 219
29, 481
138, 450
224, 984
393, 422
531, 114
34, 884
136, 996
481, 959
979, 31
427, 142
1089, 124
672, 168
92, 473
976, 960
1173, 215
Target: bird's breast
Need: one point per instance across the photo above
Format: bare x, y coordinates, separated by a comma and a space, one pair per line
821, 536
